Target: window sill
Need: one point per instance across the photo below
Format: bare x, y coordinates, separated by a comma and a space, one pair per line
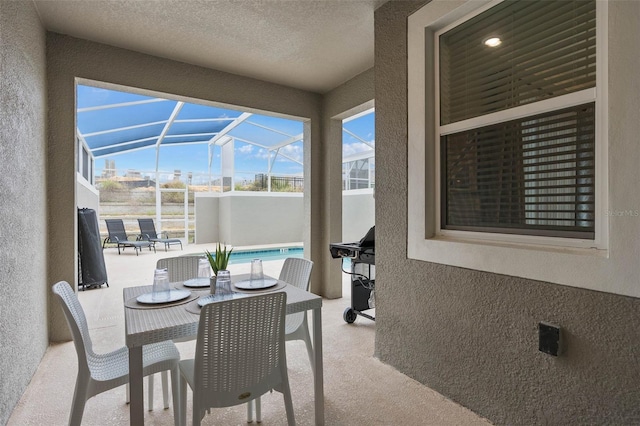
546, 248
576, 267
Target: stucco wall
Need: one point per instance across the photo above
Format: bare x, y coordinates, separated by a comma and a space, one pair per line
23, 252
471, 335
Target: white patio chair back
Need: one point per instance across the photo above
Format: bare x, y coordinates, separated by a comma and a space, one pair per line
98, 373
77, 321
297, 272
180, 268
240, 355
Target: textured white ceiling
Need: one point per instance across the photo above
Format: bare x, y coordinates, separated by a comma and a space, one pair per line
314, 45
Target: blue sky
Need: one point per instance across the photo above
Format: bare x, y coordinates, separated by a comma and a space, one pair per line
193, 157
364, 128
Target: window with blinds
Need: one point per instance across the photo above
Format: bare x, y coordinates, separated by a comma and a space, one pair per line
547, 49
531, 175
534, 176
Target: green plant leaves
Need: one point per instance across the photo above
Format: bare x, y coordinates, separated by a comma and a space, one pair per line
220, 259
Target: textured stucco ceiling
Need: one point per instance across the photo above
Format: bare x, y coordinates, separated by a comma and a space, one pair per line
309, 44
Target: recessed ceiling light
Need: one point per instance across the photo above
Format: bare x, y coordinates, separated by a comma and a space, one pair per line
493, 41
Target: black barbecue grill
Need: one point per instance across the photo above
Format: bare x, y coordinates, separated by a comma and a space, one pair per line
363, 259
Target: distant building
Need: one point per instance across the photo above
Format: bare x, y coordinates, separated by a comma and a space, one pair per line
133, 174
109, 170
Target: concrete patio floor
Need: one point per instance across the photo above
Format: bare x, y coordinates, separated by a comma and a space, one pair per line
359, 389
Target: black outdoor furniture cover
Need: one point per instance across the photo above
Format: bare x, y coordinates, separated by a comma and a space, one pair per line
92, 270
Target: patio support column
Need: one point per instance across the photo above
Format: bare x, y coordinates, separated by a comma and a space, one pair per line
353, 97
227, 168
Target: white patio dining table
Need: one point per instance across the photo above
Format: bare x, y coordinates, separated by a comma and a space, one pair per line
144, 326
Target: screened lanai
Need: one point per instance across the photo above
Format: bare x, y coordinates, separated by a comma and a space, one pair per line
165, 151
200, 139
221, 144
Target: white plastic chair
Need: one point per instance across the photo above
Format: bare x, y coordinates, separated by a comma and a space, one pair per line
240, 355
98, 373
297, 272
179, 268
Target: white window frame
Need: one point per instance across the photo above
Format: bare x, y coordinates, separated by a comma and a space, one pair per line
519, 255
82, 147
514, 113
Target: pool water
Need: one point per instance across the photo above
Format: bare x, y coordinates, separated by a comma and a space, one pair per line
246, 256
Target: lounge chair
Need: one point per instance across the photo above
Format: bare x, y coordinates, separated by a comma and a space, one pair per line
148, 233
118, 235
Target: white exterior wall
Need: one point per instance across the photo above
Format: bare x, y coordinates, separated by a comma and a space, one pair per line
244, 219
358, 213
206, 217
272, 218
87, 196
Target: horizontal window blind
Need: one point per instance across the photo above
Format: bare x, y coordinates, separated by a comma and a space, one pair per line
532, 176
548, 49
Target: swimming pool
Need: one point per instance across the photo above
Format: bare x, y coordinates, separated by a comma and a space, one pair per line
246, 256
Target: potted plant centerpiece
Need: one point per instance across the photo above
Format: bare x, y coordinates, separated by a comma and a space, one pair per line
218, 261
